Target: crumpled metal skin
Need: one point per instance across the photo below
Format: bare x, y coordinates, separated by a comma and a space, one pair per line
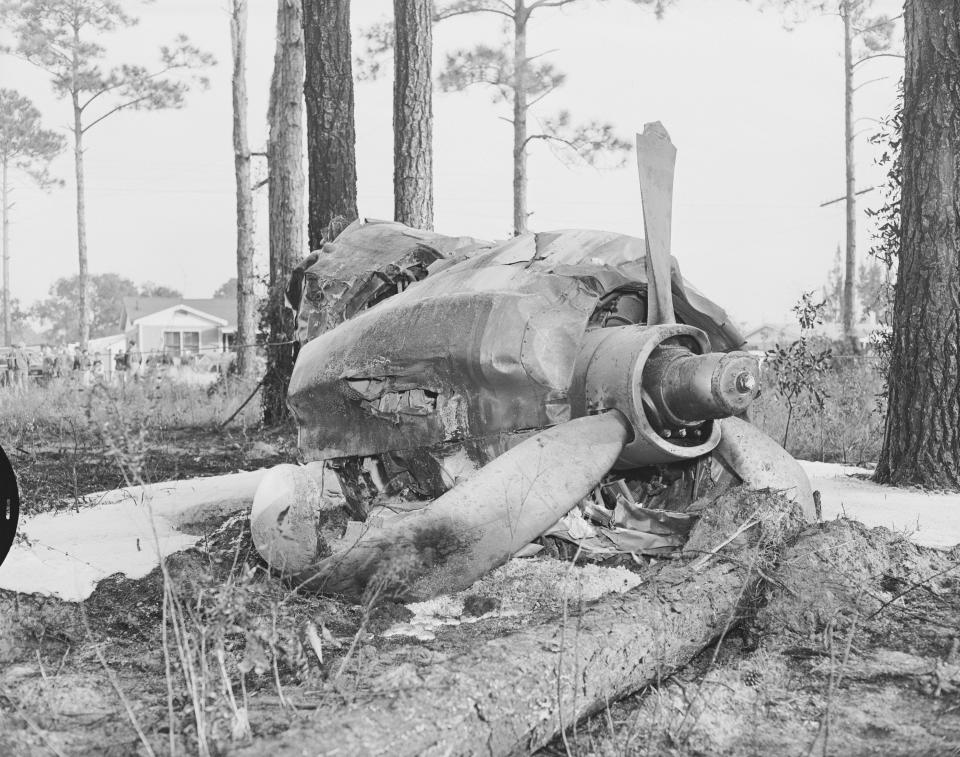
368, 262
465, 342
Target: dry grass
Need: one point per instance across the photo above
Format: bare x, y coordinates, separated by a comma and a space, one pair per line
849, 427
63, 407
65, 440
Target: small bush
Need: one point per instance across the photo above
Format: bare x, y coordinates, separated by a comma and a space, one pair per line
846, 428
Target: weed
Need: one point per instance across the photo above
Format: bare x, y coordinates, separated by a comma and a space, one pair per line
798, 369
847, 428
63, 406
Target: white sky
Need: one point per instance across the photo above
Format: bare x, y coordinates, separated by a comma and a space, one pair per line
755, 111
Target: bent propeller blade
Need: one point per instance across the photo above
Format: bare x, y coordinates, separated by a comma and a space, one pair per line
482, 521
656, 161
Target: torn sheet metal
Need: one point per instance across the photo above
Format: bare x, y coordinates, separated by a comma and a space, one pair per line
367, 263
427, 354
627, 527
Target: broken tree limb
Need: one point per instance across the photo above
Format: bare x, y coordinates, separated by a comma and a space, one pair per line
511, 695
244, 403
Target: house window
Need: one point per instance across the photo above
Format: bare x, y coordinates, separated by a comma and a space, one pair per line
171, 342
190, 342
181, 342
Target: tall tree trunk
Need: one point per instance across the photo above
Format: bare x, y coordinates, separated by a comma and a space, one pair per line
331, 134
520, 118
84, 275
285, 188
922, 437
849, 304
6, 255
413, 113
246, 298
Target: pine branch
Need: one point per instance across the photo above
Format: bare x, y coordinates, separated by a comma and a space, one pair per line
876, 55
465, 7
130, 104
548, 4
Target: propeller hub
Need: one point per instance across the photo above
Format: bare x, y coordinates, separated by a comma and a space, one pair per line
667, 384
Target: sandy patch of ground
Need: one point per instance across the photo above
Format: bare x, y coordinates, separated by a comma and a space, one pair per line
927, 518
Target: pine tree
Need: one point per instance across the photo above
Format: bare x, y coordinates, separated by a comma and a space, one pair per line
25, 148
413, 113
921, 443
285, 186
246, 296
64, 39
331, 132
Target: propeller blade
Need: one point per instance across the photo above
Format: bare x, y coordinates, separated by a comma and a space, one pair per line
481, 522
761, 463
296, 510
656, 161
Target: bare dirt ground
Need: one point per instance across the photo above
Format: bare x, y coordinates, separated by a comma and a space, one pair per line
851, 648
51, 470
854, 651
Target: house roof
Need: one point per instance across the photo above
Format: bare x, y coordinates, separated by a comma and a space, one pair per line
105, 342
224, 308
785, 333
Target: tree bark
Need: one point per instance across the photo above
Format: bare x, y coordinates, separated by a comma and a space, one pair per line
922, 436
331, 134
246, 297
6, 255
413, 113
849, 304
520, 16
285, 188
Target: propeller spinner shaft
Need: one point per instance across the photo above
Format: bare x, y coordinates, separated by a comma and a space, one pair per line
667, 384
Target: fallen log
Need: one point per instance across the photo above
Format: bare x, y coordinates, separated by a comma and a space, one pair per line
512, 694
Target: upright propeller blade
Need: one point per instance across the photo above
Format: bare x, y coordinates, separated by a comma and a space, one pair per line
656, 161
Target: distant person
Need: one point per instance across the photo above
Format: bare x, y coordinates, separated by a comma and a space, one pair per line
97, 367
59, 362
8, 368
19, 367
134, 360
46, 356
121, 365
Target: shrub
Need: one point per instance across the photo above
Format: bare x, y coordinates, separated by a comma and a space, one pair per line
847, 427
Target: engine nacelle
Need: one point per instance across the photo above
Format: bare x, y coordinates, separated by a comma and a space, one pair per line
517, 338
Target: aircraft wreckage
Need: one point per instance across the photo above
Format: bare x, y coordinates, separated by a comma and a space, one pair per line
459, 400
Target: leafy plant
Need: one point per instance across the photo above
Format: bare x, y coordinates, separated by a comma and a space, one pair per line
800, 368
886, 236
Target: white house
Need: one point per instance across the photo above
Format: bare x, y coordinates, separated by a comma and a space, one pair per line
178, 326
